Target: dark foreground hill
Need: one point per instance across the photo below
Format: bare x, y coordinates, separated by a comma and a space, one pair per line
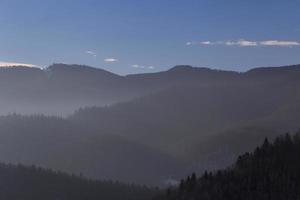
270, 172
32, 183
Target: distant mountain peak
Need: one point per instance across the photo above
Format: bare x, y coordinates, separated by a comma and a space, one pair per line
289, 68
80, 72
181, 68
77, 68
62, 66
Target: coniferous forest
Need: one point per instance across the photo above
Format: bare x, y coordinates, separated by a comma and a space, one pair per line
271, 171
19, 182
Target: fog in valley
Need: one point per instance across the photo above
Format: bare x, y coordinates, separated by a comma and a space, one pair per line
144, 128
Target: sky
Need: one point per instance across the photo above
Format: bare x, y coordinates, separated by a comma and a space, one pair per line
139, 36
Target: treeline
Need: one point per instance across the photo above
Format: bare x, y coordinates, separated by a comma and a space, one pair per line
34, 183
272, 171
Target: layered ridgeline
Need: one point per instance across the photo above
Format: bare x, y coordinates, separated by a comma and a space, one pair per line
69, 146
32, 183
270, 172
60, 89
167, 125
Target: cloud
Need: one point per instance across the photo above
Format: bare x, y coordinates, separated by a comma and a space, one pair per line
280, 43
188, 43
206, 43
248, 43
142, 67
199, 43
135, 66
110, 60
15, 64
242, 43
92, 53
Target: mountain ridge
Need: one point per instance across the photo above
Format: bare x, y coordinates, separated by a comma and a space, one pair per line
177, 68
179, 120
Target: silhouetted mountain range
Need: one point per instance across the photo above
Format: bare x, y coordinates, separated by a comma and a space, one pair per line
153, 127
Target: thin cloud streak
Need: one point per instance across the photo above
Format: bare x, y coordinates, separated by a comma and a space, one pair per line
280, 43
110, 60
242, 43
15, 64
142, 67
247, 43
92, 53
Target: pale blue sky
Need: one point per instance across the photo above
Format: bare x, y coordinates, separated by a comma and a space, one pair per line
134, 36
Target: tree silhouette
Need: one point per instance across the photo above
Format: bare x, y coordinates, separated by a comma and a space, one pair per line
271, 172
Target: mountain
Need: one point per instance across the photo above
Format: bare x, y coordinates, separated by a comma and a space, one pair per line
60, 89
206, 122
270, 172
166, 123
34, 183
180, 118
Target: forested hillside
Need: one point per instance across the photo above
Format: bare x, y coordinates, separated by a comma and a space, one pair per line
33, 183
269, 172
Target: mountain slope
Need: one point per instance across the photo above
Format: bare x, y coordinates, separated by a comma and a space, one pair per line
270, 172
32, 183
